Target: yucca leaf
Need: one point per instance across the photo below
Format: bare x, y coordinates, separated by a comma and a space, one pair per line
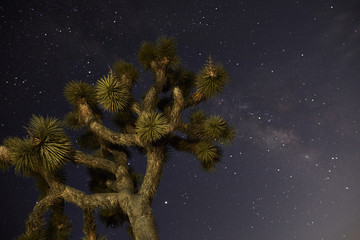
210, 80
163, 52
166, 49
112, 95
214, 126
217, 129
147, 54
71, 121
47, 148
228, 135
50, 142
197, 117
152, 126
76, 91
24, 155
40, 235
207, 153
127, 69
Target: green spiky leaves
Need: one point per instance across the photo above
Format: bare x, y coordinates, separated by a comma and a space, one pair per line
161, 54
46, 149
207, 153
216, 128
197, 117
152, 126
112, 94
125, 70
213, 128
210, 81
78, 91
72, 121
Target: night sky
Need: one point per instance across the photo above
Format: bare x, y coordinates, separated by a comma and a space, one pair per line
293, 172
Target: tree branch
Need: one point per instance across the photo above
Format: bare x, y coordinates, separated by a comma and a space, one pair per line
94, 162
155, 159
150, 99
100, 130
178, 106
35, 222
83, 200
89, 224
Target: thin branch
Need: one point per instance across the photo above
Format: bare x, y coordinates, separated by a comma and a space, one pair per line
100, 130
89, 224
178, 106
35, 222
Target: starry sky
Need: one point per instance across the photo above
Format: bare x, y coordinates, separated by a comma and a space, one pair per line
293, 171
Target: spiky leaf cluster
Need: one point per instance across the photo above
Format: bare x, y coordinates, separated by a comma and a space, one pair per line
72, 121
197, 117
152, 126
161, 53
216, 128
77, 91
207, 153
47, 148
210, 80
40, 235
112, 95
122, 68
25, 159
52, 144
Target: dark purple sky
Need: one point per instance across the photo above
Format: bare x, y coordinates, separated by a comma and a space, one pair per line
294, 97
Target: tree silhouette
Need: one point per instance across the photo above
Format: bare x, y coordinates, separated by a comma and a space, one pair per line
150, 125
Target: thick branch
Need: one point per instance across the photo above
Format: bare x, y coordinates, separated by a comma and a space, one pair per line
122, 174
83, 200
155, 159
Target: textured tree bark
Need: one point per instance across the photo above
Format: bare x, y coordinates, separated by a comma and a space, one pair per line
141, 219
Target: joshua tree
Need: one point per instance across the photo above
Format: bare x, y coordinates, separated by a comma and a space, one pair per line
150, 125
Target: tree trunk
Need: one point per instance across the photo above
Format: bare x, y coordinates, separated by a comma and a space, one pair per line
141, 219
